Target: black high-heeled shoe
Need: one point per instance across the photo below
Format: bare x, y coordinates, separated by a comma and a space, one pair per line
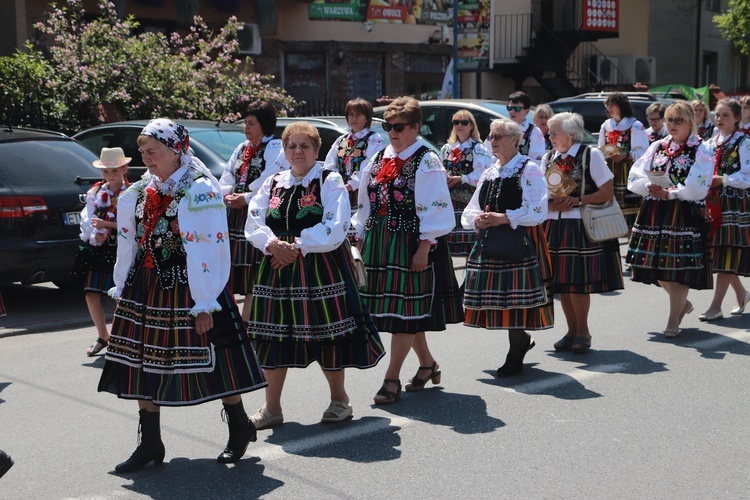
417, 384
388, 397
150, 447
514, 361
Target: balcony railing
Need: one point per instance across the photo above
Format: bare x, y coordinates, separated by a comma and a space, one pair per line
512, 36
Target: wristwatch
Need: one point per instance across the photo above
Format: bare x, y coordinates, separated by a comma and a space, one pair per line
580, 201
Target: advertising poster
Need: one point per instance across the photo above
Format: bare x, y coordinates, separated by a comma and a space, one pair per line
601, 15
431, 12
333, 10
473, 36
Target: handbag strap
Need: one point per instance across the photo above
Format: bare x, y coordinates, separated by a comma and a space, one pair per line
584, 165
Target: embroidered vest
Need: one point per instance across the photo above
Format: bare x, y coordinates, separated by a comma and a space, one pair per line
463, 167
679, 166
255, 167
576, 172
402, 212
350, 156
290, 210
503, 193
525, 144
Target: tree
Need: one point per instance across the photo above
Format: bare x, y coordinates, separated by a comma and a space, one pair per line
79, 64
734, 24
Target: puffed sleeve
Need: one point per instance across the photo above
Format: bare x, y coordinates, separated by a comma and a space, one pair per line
473, 208
363, 200
87, 230
739, 179
256, 230
637, 178
600, 171
275, 161
328, 234
533, 209
482, 161
227, 181
638, 140
699, 178
333, 153
602, 140
537, 146
202, 219
126, 239
433, 199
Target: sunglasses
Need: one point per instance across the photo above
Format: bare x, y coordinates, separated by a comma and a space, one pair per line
460, 122
497, 137
398, 127
677, 121
517, 109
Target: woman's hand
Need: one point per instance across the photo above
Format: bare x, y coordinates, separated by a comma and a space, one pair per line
562, 203
657, 191
102, 224
618, 157
419, 260
717, 181
490, 219
235, 200
203, 323
283, 254
454, 180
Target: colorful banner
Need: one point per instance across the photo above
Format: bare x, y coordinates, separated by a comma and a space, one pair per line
330, 10
431, 12
691, 93
473, 37
601, 15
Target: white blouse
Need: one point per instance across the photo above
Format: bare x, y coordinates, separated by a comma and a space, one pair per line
273, 157
324, 236
741, 178
482, 159
374, 144
638, 135
597, 167
431, 195
697, 182
533, 209
202, 218
93, 198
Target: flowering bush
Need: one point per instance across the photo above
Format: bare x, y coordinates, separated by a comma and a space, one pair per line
81, 64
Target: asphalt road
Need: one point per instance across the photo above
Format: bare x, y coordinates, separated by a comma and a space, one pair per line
639, 416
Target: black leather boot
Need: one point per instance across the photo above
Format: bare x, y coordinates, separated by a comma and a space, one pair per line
241, 432
5, 463
150, 448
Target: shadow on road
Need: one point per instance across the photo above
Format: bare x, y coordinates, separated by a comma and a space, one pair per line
616, 361
184, 478
3, 385
710, 345
535, 382
435, 406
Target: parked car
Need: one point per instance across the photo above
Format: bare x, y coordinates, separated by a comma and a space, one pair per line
591, 107
43, 180
212, 142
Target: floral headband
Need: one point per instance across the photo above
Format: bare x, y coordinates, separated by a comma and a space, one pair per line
169, 133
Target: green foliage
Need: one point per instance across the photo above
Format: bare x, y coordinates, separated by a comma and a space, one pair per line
734, 24
83, 64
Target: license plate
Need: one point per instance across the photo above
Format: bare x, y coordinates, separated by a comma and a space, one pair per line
72, 218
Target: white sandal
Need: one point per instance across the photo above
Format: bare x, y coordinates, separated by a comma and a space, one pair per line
337, 411
263, 419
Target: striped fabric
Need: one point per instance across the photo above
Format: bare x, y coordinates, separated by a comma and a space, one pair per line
460, 240
154, 352
98, 281
245, 256
669, 243
630, 205
730, 245
579, 265
402, 301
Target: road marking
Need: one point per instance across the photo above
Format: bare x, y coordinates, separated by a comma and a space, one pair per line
298, 446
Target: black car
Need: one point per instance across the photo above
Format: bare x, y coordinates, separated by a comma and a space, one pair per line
43, 179
591, 107
212, 142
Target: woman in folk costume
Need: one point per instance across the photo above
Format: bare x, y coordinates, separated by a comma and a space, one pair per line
504, 294
177, 338
256, 159
704, 127
729, 208
623, 140
306, 306
669, 243
465, 159
405, 214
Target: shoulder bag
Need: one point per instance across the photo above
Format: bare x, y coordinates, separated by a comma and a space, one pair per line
603, 221
355, 259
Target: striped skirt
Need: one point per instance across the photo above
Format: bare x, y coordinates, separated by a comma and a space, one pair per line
460, 240
510, 295
629, 202
155, 354
402, 301
730, 244
579, 265
669, 243
99, 282
244, 255
93, 268
309, 311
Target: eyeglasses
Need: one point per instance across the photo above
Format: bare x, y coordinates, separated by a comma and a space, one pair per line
497, 137
398, 127
460, 122
517, 109
677, 121
654, 119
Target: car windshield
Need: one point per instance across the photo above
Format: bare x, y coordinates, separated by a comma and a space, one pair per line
21, 162
221, 142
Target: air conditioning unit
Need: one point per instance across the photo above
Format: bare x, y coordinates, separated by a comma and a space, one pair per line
249, 39
638, 69
602, 70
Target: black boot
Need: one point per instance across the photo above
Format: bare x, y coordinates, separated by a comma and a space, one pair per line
241, 432
5, 463
150, 447
520, 343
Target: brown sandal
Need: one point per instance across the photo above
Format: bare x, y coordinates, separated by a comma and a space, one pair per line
388, 397
417, 384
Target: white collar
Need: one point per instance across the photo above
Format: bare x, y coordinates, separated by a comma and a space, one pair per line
512, 167
624, 124
359, 134
403, 155
572, 151
286, 179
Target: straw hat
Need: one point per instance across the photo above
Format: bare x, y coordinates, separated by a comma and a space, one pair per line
111, 158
